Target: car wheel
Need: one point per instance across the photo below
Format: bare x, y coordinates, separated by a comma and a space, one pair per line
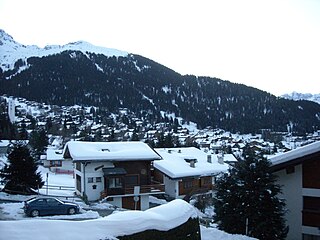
35, 213
71, 211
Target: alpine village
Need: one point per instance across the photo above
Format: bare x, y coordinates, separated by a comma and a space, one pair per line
147, 153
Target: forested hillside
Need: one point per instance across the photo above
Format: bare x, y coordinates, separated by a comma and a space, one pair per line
146, 88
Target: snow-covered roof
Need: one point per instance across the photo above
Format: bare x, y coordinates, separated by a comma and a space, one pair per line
4, 143
295, 154
109, 151
54, 154
229, 158
174, 163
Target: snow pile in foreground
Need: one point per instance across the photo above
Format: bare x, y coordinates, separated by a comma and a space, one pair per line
162, 218
215, 234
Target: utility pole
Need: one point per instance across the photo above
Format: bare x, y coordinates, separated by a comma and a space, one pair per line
47, 183
247, 226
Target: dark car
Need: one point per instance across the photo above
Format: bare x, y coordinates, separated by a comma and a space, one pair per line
41, 206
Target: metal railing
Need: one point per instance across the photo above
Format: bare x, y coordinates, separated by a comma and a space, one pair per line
144, 189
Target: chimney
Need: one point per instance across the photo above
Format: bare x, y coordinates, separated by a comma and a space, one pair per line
193, 163
220, 159
209, 159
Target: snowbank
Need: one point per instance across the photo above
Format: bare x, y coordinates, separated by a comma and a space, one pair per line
161, 218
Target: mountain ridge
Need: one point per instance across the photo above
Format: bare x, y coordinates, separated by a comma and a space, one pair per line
302, 96
147, 88
13, 51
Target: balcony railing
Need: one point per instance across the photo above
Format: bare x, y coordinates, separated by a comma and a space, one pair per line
153, 188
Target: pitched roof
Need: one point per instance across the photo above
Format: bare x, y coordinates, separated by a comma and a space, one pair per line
176, 163
54, 154
295, 156
109, 151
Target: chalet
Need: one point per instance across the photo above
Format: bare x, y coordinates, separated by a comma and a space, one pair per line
118, 172
298, 172
187, 171
55, 161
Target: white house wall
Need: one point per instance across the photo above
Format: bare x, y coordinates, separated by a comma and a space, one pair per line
92, 194
67, 165
292, 193
171, 187
144, 202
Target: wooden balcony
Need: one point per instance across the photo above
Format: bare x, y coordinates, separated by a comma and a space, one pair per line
144, 189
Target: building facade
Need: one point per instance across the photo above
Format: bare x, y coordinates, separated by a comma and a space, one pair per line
118, 172
187, 171
299, 175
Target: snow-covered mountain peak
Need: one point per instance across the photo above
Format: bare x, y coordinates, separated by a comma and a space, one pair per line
302, 96
4, 37
11, 51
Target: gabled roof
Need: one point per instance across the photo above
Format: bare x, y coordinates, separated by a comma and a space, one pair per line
176, 163
109, 151
295, 156
54, 154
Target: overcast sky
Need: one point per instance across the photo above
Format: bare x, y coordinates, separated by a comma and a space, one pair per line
273, 45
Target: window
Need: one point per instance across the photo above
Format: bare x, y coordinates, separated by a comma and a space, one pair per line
41, 201
78, 166
90, 180
98, 179
56, 163
311, 211
78, 180
52, 202
207, 180
115, 182
310, 237
187, 184
132, 180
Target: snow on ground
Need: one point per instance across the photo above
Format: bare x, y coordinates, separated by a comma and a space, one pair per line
88, 224
215, 234
14, 211
61, 227
55, 179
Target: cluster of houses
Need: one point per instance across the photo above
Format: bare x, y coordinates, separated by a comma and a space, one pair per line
126, 174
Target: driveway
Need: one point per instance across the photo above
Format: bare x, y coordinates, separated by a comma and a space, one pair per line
12, 210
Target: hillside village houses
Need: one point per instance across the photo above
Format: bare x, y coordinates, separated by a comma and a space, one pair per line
54, 160
298, 173
112, 170
121, 173
188, 171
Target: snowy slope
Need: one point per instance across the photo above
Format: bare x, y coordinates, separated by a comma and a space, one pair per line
11, 51
303, 96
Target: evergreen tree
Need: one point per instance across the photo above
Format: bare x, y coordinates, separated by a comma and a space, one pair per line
135, 136
20, 175
38, 141
168, 141
246, 201
160, 141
